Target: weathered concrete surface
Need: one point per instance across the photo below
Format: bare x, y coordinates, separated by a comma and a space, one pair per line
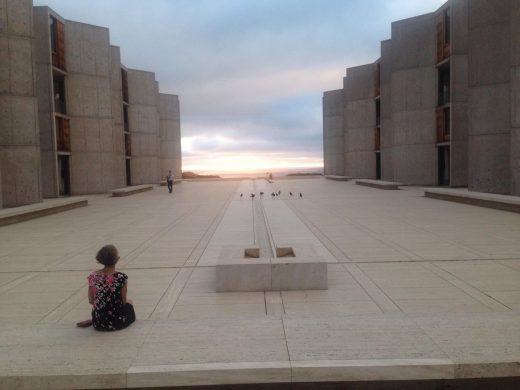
443, 285
333, 133
489, 96
515, 98
387, 134
414, 91
19, 137
116, 88
170, 123
144, 122
94, 164
360, 122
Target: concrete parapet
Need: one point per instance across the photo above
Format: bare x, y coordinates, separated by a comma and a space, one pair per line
333, 132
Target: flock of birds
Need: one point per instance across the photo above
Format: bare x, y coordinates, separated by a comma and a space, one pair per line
273, 194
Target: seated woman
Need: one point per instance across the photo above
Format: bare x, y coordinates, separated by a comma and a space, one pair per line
107, 293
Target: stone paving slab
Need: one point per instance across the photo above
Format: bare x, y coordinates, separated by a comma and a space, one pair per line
418, 289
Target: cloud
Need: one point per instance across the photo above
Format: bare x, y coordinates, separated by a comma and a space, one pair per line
250, 74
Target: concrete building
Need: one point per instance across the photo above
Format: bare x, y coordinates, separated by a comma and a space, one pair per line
20, 177
445, 106
74, 119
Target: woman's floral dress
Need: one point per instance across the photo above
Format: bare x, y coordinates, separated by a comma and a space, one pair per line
109, 312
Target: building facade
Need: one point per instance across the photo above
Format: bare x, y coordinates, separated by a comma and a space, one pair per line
84, 124
445, 102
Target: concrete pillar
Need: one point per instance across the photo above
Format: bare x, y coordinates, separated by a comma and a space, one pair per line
414, 93
489, 71
89, 107
116, 88
333, 150
144, 126
19, 139
515, 97
44, 90
360, 122
387, 134
459, 93
170, 126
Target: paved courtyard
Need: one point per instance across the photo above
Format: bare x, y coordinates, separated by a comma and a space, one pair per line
418, 289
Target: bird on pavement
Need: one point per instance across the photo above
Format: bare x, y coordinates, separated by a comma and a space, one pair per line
301, 195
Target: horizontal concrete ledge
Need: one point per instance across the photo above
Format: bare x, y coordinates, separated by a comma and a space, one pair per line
481, 199
207, 374
47, 207
126, 191
337, 178
382, 185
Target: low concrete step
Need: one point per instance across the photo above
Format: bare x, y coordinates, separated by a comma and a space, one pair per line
380, 184
47, 207
337, 178
126, 191
481, 199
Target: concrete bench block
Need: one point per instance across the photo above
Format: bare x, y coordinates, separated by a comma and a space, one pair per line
48, 207
382, 185
279, 274
298, 274
243, 275
337, 178
126, 191
480, 199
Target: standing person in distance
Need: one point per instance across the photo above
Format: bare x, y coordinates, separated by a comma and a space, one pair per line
169, 180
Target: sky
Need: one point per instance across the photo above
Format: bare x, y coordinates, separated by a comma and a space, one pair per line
250, 74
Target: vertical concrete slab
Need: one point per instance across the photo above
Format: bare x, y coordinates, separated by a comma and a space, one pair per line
515, 97
44, 91
414, 92
489, 74
360, 122
89, 94
19, 134
459, 93
118, 148
144, 126
387, 134
333, 140
170, 127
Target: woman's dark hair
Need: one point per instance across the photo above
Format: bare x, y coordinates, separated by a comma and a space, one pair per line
108, 255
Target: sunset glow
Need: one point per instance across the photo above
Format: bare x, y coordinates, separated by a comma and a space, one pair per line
235, 163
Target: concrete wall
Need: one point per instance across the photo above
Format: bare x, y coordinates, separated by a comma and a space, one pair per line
118, 140
44, 88
170, 128
19, 135
144, 127
360, 122
489, 60
515, 97
387, 134
89, 106
459, 93
414, 93
333, 140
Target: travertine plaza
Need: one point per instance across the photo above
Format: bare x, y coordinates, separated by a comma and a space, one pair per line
441, 106
73, 119
418, 289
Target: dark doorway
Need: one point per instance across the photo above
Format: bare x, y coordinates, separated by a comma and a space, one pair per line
444, 165
64, 172
128, 175
378, 166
